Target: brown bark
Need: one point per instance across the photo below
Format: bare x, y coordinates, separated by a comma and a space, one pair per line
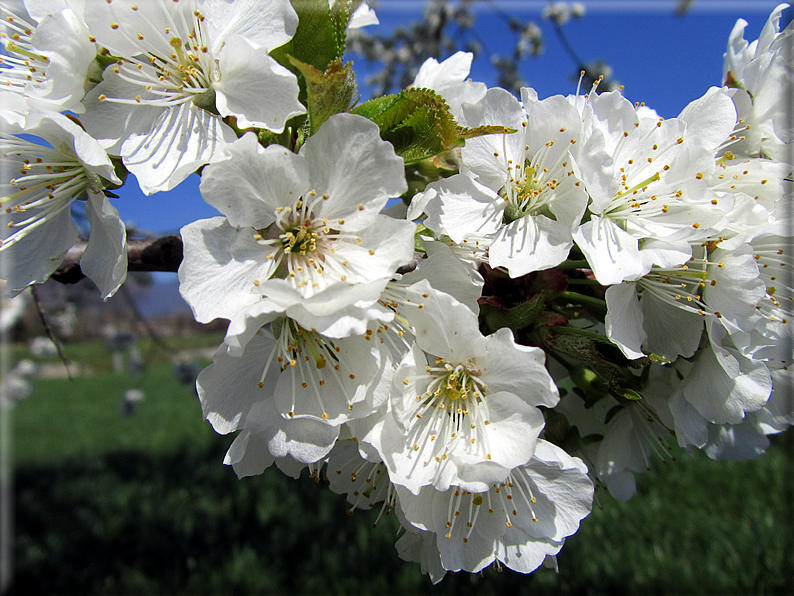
157, 254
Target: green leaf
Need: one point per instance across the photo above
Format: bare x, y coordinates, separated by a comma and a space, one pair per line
419, 243
419, 124
629, 394
518, 317
327, 93
320, 36
658, 359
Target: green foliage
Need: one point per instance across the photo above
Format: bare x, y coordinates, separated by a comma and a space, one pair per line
82, 418
419, 124
95, 356
320, 36
143, 505
518, 317
327, 93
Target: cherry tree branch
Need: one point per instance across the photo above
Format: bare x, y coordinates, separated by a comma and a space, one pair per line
156, 254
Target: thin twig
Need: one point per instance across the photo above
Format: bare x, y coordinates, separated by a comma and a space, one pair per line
48, 331
158, 341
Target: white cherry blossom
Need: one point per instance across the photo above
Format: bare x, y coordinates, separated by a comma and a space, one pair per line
182, 67
303, 233
517, 194
518, 522
449, 80
652, 187
462, 403
36, 201
47, 54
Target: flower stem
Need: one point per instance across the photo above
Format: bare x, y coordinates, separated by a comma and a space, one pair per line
596, 304
580, 264
582, 333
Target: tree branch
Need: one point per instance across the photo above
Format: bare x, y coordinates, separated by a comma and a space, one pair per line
158, 254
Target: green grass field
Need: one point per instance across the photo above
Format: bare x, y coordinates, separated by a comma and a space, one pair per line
107, 504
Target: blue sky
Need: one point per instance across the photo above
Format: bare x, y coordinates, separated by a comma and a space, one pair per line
663, 60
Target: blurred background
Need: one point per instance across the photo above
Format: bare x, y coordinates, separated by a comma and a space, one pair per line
119, 486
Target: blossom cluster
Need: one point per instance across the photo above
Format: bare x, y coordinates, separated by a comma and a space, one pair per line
422, 348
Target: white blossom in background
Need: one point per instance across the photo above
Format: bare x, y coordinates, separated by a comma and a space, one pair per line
760, 73
36, 201
449, 80
363, 16
182, 67
12, 309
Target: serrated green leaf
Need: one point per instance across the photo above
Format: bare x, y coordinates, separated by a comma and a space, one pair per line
327, 93
419, 124
319, 38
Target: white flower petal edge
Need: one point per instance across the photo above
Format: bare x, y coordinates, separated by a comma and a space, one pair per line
518, 522
105, 258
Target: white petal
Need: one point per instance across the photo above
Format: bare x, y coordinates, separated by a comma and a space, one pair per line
446, 273
219, 267
255, 88
624, 320
350, 163
182, 139
487, 156
105, 258
363, 17
265, 23
710, 119
33, 258
613, 254
248, 455
443, 326
531, 244
461, 206
671, 331
229, 387
724, 385
508, 366
249, 182
63, 38
246, 323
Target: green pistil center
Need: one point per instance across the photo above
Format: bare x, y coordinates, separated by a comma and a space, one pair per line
528, 198
456, 383
301, 239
